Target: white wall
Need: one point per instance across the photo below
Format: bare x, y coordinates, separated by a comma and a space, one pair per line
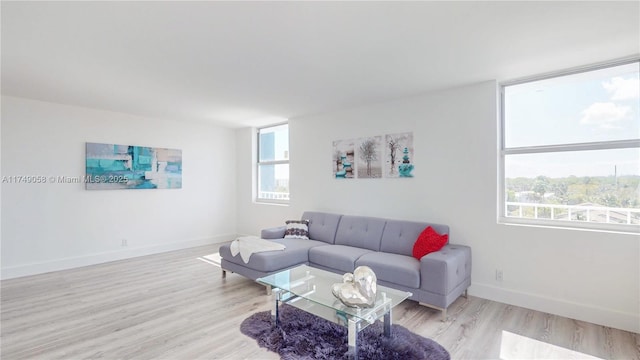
591, 276
53, 226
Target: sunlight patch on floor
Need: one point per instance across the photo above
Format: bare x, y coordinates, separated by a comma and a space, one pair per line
514, 346
213, 259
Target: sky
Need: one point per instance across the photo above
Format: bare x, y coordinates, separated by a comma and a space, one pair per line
600, 105
281, 149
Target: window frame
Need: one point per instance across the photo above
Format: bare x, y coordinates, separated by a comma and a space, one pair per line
556, 148
259, 163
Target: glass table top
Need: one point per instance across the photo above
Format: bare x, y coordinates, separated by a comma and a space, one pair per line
314, 285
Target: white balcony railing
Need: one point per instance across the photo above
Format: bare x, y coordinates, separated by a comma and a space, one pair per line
584, 213
272, 195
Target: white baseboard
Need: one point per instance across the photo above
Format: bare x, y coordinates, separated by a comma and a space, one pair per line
593, 314
92, 259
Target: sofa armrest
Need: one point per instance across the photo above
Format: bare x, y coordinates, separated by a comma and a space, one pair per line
273, 233
442, 271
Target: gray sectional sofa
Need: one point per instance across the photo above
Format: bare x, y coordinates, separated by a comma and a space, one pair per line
340, 243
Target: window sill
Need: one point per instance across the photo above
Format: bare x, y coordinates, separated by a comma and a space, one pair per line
271, 202
572, 225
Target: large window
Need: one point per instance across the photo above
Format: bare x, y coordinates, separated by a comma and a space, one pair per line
571, 149
273, 164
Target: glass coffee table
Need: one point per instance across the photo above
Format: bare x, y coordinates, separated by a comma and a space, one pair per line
309, 289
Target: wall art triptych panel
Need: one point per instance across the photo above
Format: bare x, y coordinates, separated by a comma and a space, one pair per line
398, 155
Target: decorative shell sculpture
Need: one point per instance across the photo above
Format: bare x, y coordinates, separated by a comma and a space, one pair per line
357, 289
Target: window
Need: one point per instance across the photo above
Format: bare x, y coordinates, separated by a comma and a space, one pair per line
273, 164
570, 153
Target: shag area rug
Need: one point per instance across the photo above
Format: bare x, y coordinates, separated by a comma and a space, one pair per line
305, 336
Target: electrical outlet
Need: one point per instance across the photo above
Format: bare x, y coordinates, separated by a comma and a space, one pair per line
124, 242
499, 275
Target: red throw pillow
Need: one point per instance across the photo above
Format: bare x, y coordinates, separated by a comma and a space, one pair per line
428, 241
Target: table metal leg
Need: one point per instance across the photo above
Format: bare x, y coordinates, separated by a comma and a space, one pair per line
387, 324
275, 311
353, 339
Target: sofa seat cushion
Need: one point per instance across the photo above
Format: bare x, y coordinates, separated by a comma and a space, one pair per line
296, 252
338, 257
393, 268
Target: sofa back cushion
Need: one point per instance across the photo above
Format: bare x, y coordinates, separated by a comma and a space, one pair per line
360, 231
322, 226
399, 236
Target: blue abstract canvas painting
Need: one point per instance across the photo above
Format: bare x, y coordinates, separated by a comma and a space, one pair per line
111, 166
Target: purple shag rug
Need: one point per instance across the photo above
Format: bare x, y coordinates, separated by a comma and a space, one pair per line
305, 336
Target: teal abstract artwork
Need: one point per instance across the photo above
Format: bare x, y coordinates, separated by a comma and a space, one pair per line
111, 166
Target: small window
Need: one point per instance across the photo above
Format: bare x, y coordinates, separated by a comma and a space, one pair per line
570, 151
273, 164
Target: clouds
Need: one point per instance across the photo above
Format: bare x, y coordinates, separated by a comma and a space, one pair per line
611, 114
605, 115
623, 89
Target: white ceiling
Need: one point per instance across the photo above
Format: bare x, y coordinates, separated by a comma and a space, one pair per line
236, 63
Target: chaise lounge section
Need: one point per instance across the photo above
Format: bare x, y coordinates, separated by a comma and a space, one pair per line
340, 243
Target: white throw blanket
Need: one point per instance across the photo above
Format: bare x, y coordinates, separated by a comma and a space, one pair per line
247, 245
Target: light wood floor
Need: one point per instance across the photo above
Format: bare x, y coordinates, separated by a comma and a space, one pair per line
176, 306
